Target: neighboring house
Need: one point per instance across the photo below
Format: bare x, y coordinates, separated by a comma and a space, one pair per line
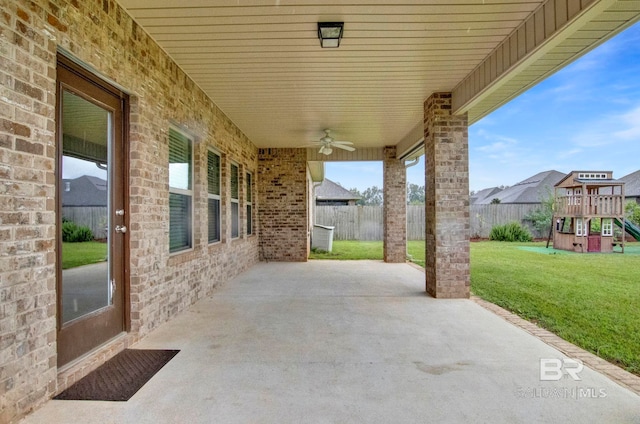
530, 191
84, 191
333, 194
84, 202
484, 196
632, 186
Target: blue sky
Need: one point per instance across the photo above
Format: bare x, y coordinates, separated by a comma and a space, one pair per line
586, 116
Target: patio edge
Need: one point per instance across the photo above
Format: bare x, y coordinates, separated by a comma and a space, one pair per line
613, 372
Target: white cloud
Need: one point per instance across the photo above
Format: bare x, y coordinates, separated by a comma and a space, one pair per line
568, 153
498, 146
610, 130
632, 120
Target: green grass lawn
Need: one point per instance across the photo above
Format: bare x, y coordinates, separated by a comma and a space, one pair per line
591, 300
354, 250
78, 254
350, 250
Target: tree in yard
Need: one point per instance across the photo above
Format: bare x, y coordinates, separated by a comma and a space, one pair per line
495, 201
540, 218
633, 212
372, 196
415, 194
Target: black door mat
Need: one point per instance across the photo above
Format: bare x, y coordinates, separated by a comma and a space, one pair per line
120, 377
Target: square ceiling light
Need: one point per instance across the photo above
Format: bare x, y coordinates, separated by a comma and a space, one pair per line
330, 34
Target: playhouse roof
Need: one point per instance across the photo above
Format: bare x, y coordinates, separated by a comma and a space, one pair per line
588, 177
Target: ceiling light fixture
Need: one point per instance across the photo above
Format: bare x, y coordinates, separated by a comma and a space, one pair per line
330, 34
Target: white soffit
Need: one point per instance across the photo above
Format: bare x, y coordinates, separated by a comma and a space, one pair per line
261, 63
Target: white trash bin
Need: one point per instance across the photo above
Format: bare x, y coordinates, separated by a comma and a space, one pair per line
322, 238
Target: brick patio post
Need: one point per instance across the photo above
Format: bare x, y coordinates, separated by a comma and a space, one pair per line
447, 199
395, 207
283, 199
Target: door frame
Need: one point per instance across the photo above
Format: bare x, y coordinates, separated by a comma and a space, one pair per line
89, 78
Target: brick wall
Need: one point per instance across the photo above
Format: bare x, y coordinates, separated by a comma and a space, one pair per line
395, 207
283, 196
104, 37
447, 199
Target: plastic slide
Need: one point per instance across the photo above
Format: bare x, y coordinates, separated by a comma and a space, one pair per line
630, 228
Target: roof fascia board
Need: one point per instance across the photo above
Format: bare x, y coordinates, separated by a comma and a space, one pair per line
490, 74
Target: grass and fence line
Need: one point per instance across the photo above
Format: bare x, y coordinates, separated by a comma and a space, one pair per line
365, 222
590, 300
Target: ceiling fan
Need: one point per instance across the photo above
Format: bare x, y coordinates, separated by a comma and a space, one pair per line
327, 144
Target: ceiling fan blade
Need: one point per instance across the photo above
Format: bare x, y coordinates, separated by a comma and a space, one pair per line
321, 149
342, 142
343, 147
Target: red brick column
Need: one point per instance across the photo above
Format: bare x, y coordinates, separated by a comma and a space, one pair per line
447, 199
395, 207
283, 214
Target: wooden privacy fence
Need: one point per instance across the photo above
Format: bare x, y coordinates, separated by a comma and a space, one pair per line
484, 217
351, 222
365, 222
94, 217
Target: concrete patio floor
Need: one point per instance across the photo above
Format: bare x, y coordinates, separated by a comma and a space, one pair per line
349, 342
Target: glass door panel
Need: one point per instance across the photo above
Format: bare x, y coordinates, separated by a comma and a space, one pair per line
86, 129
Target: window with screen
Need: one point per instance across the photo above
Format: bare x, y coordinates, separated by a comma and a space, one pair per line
180, 191
213, 196
249, 203
235, 201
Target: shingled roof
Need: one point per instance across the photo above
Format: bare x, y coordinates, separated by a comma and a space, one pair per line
484, 194
532, 190
84, 191
329, 190
631, 184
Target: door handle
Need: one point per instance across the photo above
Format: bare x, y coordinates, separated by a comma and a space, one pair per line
121, 229
112, 289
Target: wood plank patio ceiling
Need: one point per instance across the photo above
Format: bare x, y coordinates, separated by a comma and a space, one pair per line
261, 62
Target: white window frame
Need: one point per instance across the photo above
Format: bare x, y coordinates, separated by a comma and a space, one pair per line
582, 176
248, 195
607, 227
183, 191
234, 201
213, 196
579, 227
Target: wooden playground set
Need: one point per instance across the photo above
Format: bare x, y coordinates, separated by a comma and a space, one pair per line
588, 205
